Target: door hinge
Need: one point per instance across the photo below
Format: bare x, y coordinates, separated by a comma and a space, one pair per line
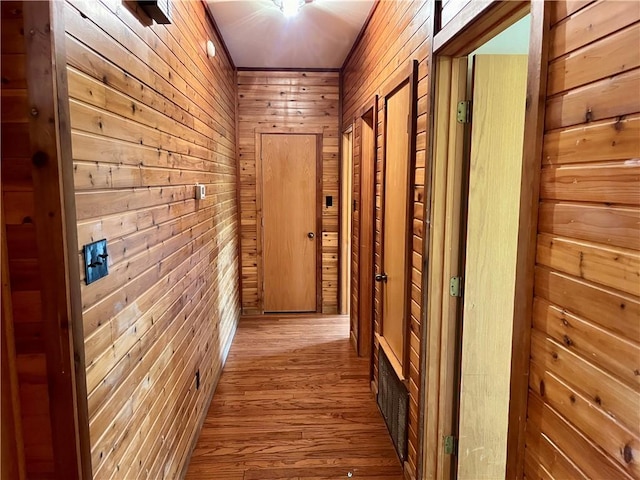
464, 112
455, 286
450, 445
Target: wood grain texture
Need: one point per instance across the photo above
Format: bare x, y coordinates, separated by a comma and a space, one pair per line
499, 86
394, 36
395, 223
303, 102
289, 212
584, 401
13, 466
294, 403
363, 233
145, 129
21, 263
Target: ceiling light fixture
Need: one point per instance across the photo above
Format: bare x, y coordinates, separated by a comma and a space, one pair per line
290, 8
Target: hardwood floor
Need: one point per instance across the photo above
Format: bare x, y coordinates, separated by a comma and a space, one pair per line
294, 403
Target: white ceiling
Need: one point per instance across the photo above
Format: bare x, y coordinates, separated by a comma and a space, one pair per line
320, 36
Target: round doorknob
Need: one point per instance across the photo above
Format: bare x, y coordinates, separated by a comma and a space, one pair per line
311, 235
381, 277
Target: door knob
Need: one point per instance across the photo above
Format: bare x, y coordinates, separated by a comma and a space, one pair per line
381, 277
311, 235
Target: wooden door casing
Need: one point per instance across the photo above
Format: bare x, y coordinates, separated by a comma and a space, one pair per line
289, 209
368, 121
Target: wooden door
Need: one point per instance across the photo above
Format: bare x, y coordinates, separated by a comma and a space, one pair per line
489, 279
289, 209
395, 224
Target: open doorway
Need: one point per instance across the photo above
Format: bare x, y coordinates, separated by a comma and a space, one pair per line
489, 250
480, 102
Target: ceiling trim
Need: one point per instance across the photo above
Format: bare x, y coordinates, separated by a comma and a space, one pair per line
360, 34
284, 69
218, 33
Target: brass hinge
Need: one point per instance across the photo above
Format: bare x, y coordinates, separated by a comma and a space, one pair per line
464, 112
450, 445
455, 287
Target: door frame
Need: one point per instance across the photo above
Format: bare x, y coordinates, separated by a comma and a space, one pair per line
346, 185
318, 133
367, 250
477, 23
407, 74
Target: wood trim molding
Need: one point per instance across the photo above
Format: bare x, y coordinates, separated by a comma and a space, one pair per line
238, 188
411, 177
527, 236
356, 42
259, 220
402, 75
476, 23
372, 103
319, 195
388, 351
366, 293
13, 463
434, 25
284, 69
52, 170
291, 130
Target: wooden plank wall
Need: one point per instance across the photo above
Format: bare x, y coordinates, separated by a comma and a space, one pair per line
395, 35
151, 116
18, 201
298, 100
584, 399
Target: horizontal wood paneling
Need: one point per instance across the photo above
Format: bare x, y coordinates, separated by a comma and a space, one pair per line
583, 418
308, 103
151, 116
395, 35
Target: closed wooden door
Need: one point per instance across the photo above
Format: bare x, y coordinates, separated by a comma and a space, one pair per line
395, 223
289, 204
489, 278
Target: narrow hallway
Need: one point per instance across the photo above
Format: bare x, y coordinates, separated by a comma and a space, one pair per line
294, 402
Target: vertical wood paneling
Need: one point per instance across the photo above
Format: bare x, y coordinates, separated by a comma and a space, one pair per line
396, 34
151, 116
307, 102
584, 398
23, 262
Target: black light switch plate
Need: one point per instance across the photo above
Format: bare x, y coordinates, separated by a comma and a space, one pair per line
95, 261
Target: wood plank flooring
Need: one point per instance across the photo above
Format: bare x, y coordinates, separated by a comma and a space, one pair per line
294, 403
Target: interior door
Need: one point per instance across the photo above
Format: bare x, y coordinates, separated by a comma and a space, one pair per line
289, 209
395, 224
499, 89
